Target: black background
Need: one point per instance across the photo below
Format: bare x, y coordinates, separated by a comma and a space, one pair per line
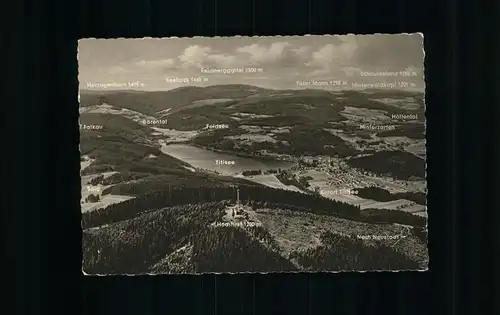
41, 207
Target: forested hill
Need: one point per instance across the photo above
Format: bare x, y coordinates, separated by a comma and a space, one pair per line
151, 102
245, 96
291, 199
179, 239
399, 164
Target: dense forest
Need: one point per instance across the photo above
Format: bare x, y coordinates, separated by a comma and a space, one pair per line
397, 164
133, 245
302, 140
117, 178
147, 244
421, 233
167, 181
387, 216
339, 252
379, 194
92, 198
262, 195
97, 180
288, 179
178, 240
412, 131
178, 196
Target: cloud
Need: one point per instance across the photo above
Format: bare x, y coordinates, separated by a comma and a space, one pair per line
167, 63
255, 78
195, 56
351, 71
323, 57
275, 55
301, 51
261, 55
282, 62
117, 70
221, 61
389, 52
332, 57
204, 56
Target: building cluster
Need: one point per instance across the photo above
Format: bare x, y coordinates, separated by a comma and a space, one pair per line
347, 180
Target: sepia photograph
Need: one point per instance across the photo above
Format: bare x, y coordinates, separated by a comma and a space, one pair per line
253, 154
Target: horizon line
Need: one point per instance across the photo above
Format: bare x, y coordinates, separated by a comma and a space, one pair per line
421, 90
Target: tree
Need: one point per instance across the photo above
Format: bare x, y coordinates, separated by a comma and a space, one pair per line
92, 198
317, 191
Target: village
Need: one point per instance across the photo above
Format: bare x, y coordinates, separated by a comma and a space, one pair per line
333, 178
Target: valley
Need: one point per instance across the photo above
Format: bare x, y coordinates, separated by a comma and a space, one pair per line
302, 145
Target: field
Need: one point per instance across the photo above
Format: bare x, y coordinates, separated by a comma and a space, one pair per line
271, 181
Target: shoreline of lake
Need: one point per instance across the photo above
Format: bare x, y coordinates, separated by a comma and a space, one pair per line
204, 158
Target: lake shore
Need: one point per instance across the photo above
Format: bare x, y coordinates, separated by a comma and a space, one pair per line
204, 158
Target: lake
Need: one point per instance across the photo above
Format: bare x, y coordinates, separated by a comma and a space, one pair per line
205, 159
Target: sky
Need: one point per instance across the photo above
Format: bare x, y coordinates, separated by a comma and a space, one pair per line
280, 62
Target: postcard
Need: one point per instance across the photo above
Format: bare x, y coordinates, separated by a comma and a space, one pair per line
253, 154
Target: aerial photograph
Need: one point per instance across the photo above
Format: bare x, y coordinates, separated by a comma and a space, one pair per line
253, 154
